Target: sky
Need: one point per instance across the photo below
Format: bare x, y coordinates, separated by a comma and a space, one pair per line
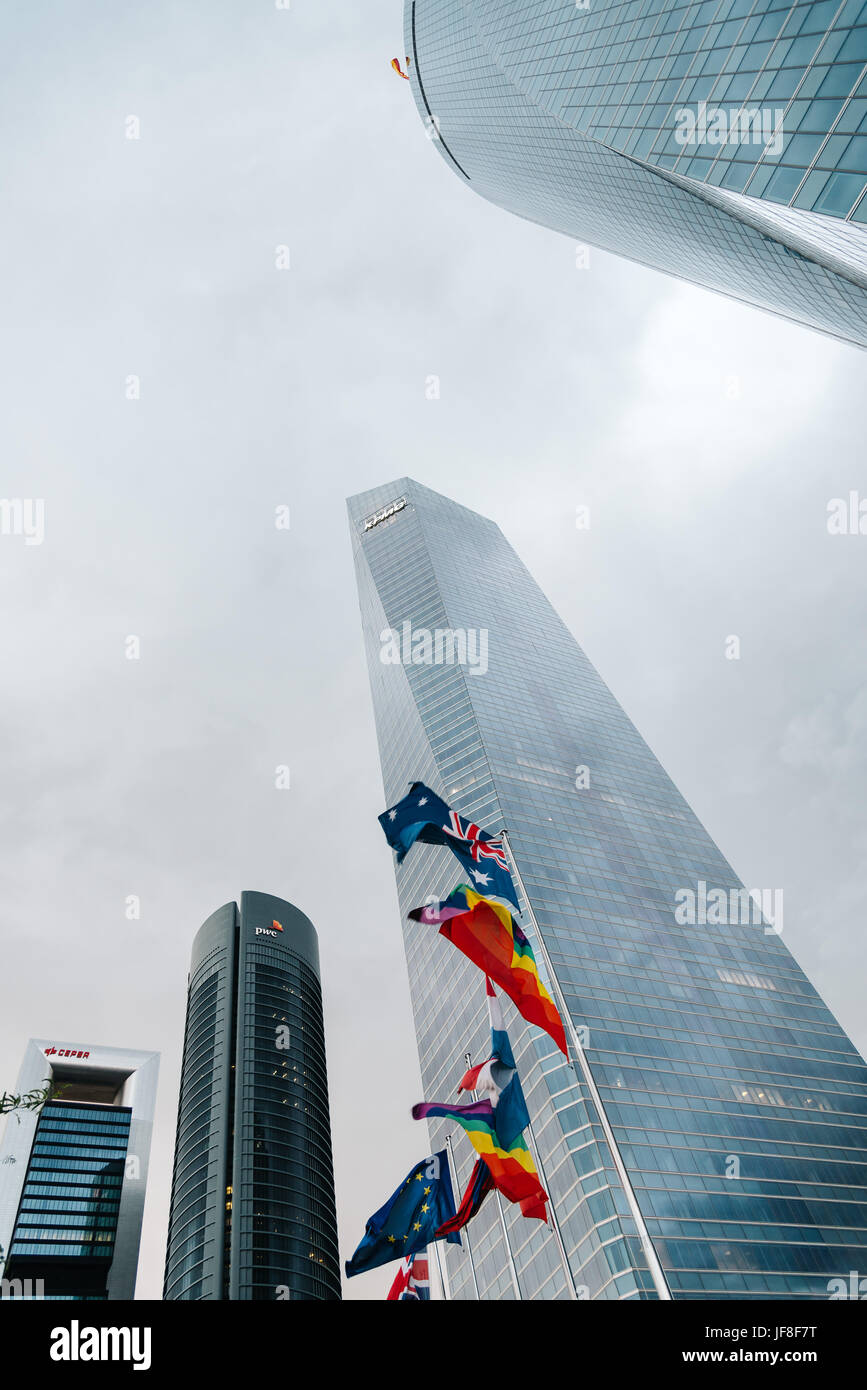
705, 438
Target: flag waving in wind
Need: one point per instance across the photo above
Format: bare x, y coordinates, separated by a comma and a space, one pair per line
410, 1217
412, 1280
494, 1124
478, 1187
497, 1079
488, 934
512, 1169
422, 815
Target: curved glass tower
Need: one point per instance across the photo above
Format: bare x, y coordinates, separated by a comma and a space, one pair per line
253, 1212
735, 1102
724, 142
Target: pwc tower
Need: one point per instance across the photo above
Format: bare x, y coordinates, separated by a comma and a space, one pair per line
253, 1211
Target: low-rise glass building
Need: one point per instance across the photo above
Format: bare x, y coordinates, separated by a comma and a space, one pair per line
73, 1174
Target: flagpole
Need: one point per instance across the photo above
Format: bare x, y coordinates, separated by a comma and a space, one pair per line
447, 1298
513, 1269
454, 1171
656, 1271
567, 1268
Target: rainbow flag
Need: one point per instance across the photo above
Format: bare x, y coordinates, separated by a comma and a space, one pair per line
488, 934
512, 1169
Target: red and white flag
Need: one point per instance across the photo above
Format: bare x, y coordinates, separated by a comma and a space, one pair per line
412, 1280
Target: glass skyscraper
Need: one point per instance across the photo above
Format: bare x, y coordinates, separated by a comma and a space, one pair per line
253, 1212
73, 1175
734, 1100
723, 141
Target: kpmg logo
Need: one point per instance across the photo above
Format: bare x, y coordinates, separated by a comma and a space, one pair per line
444, 646
389, 511
743, 125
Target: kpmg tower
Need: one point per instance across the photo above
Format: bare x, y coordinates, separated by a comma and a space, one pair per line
730, 1121
252, 1213
724, 142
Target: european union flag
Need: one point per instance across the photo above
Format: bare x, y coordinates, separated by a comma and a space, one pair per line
422, 815
410, 1217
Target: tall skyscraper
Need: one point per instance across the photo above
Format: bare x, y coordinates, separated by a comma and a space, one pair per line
73, 1175
253, 1213
722, 141
734, 1101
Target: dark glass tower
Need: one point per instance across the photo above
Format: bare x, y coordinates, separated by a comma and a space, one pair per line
722, 141
253, 1212
736, 1103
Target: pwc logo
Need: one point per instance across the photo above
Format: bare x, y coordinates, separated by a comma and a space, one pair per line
274, 928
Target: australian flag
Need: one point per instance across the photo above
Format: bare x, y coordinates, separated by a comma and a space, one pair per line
422, 815
410, 1217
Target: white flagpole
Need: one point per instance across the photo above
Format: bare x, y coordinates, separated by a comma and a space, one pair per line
513, 1269
656, 1271
443, 1285
555, 1224
454, 1171
558, 1236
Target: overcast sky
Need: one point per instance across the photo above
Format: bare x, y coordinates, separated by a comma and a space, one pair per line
705, 437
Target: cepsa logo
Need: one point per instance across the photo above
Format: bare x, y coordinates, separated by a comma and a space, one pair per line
64, 1052
274, 928
371, 521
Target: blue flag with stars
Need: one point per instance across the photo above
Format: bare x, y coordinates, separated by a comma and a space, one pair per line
410, 1217
422, 815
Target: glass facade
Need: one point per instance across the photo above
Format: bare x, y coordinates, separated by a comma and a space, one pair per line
67, 1218
253, 1211
736, 1101
73, 1172
197, 1266
724, 142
